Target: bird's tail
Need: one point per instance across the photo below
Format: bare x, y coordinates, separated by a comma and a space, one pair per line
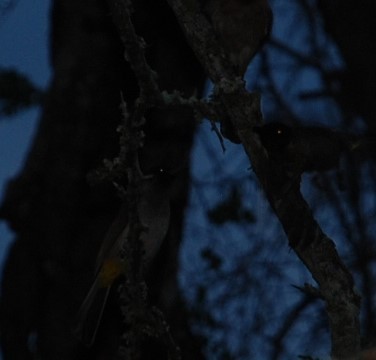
90, 313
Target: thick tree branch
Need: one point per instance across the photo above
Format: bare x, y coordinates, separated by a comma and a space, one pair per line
138, 317
311, 245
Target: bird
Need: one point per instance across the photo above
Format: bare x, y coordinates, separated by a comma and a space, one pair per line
306, 148
153, 209
242, 27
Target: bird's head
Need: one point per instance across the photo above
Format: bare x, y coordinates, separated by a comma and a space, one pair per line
274, 136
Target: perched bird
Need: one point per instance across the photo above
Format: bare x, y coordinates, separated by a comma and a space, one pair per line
242, 27
153, 210
305, 148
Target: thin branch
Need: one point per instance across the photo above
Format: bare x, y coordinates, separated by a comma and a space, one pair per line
290, 320
134, 48
303, 59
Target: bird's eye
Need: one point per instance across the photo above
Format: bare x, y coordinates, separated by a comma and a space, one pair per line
279, 131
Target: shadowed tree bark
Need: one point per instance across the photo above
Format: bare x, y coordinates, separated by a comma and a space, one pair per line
59, 218
352, 28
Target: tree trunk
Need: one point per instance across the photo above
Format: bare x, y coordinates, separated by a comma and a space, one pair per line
60, 220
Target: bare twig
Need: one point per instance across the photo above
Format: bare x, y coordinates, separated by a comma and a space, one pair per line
134, 48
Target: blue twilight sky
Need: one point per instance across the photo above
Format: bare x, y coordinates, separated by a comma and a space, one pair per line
23, 46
